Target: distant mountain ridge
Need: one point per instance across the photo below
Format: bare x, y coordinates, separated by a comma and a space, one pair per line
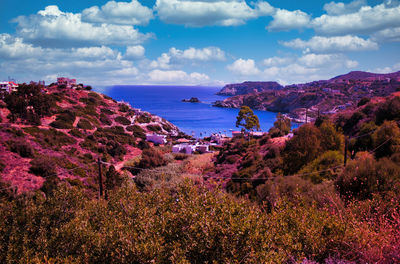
325, 96
248, 87
361, 75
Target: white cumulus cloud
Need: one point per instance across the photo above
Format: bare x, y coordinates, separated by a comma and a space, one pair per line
332, 44
204, 54
52, 27
123, 13
244, 67
335, 9
286, 20
366, 20
387, 35
276, 61
206, 13
176, 57
134, 52
178, 76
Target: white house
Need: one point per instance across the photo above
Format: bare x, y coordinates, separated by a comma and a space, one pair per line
8, 87
156, 139
184, 148
66, 81
190, 148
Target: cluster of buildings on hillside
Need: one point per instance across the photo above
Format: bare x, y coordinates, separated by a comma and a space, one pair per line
188, 146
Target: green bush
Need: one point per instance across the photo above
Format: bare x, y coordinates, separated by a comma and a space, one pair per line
281, 126
94, 95
161, 177
106, 111
386, 139
188, 224
180, 156
116, 133
64, 120
302, 148
328, 163
143, 118
123, 108
24, 149
363, 101
151, 158
122, 120
105, 120
15, 131
365, 141
90, 144
365, 176
388, 110
330, 138
43, 166
84, 124
76, 133
115, 149
154, 128
2, 166
137, 131
50, 137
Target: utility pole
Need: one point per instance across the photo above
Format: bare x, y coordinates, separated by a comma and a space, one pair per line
100, 179
306, 115
346, 144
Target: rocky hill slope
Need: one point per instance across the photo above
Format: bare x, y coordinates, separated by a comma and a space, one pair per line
248, 87
331, 96
63, 132
360, 75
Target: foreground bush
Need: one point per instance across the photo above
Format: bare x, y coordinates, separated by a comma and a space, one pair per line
365, 176
24, 149
189, 225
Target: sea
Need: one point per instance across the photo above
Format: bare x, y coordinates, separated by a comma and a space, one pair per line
196, 119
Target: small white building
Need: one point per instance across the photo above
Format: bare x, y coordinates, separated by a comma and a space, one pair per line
8, 87
184, 148
66, 81
257, 134
190, 148
156, 139
219, 138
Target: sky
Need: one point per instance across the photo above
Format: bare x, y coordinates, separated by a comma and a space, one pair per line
196, 42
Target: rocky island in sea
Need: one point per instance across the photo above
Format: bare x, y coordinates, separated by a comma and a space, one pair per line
191, 100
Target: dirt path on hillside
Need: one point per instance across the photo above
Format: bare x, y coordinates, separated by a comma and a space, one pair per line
131, 153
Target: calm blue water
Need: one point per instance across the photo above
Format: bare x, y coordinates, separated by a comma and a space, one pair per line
165, 101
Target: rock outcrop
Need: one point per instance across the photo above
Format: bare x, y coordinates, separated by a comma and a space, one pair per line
248, 87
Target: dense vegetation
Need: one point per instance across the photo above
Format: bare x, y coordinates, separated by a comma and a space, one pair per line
272, 199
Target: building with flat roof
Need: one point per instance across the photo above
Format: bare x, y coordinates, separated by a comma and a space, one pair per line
66, 81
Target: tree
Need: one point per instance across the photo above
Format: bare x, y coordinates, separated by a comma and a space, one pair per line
281, 126
303, 148
113, 178
247, 119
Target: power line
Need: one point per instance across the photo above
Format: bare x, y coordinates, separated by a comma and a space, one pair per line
366, 134
293, 175
386, 141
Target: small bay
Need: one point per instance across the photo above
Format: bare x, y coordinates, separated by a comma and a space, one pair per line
200, 119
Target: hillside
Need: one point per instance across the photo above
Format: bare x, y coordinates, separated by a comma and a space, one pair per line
248, 87
63, 131
360, 75
326, 193
332, 96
